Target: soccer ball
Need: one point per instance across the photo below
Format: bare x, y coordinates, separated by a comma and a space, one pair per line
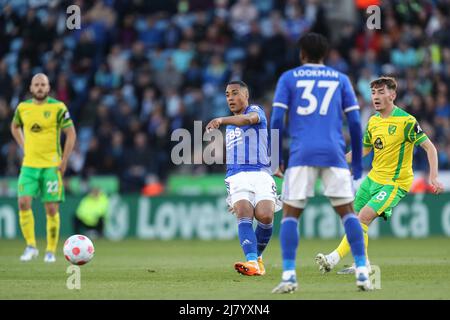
78, 249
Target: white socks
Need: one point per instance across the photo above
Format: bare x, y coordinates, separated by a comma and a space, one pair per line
288, 274
334, 258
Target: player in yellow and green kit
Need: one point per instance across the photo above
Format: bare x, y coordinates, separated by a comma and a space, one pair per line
392, 133
36, 127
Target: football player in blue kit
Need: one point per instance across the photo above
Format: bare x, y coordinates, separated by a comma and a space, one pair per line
315, 97
250, 186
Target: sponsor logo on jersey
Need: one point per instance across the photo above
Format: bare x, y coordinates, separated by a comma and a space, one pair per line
36, 128
378, 143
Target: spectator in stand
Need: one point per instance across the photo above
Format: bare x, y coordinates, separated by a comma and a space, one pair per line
152, 66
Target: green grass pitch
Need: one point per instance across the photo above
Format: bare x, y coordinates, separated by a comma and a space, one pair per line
181, 269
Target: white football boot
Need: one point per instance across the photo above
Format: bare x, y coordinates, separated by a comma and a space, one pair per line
352, 269
326, 264
362, 279
49, 257
286, 286
29, 254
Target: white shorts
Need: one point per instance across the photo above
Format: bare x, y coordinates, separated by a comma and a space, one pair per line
253, 186
299, 184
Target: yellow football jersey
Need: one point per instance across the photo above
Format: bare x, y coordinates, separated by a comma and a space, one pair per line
42, 124
393, 140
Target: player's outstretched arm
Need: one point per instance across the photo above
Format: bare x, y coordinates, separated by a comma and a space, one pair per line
238, 120
16, 131
431, 151
366, 151
71, 137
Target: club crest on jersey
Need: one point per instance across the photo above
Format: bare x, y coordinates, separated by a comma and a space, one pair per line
47, 114
378, 143
392, 128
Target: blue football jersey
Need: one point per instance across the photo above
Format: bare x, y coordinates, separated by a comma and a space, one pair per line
315, 97
247, 146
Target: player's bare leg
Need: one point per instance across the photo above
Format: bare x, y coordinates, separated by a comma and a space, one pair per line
245, 213
367, 215
289, 242
53, 224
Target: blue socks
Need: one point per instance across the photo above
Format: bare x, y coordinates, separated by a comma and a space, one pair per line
253, 242
355, 238
247, 238
289, 237
263, 233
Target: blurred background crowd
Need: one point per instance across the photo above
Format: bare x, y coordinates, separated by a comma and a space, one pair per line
137, 70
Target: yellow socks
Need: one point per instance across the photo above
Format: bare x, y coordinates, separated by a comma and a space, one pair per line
26, 220
366, 237
52, 232
344, 247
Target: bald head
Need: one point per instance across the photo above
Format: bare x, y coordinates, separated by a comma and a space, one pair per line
40, 87
39, 76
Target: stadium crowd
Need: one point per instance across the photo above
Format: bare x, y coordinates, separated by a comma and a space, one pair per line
137, 70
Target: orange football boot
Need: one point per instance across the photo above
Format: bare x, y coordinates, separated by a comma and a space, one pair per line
262, 269
249, 268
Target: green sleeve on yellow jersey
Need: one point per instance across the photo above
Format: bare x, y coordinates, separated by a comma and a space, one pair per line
17, 119
414, 133
367, 137
64, 120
